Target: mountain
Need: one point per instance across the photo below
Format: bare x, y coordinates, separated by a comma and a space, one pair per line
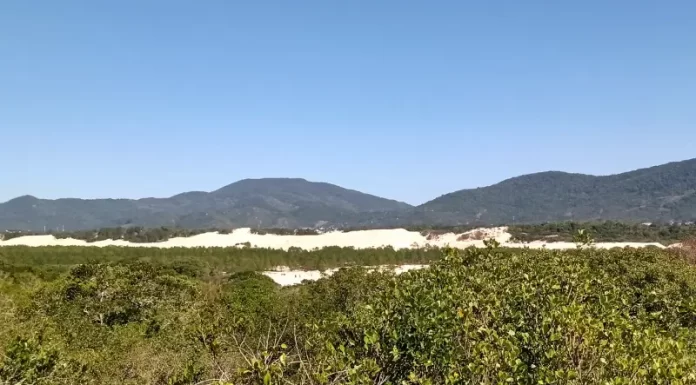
666, 192
660, 193
269, 202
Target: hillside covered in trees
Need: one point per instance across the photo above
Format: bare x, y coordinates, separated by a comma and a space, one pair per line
662, 193
271, 202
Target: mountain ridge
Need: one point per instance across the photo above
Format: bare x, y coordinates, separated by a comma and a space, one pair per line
265, 202
657, 193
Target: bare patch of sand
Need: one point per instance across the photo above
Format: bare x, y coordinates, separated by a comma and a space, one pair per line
286, 277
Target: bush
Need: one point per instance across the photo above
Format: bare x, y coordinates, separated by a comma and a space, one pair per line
27, 361
686, 250
484, 316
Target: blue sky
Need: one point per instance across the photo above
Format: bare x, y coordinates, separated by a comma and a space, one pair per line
403, 99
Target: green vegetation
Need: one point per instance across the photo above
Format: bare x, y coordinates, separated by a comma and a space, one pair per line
661, 193
267, 202
607, 231
483, 316
134, 234
210, 260
281, 231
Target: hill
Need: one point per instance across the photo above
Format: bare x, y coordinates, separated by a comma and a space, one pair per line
662, 193
269, 202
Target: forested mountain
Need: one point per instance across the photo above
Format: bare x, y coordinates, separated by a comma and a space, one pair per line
666, 192
270, 202
660, 193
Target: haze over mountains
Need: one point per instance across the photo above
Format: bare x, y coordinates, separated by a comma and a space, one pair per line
661, 193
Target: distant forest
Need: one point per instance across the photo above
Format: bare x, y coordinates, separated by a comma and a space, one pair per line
664, 194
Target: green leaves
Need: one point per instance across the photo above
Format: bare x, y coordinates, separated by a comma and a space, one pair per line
484, 316
583, 238
27, 361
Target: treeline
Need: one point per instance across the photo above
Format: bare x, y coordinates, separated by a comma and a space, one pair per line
608, 231
134, 234
478, 316
138, 234
229, 259
281, 231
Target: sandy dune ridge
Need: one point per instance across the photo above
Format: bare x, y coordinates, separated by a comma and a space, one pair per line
365, 239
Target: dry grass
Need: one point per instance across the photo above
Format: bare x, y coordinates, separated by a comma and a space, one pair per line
434, 235
477, 235
686, 250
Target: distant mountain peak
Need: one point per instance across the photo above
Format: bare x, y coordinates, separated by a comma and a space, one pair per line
23, 200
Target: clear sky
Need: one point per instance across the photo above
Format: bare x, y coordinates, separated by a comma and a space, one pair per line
403, 99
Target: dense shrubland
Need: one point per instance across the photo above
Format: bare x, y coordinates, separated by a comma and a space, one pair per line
484, 316
608, 231
211, 259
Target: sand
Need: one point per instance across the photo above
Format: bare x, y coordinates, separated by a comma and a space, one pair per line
396, 238
286, 277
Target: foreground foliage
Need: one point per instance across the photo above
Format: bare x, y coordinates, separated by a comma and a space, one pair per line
484, 316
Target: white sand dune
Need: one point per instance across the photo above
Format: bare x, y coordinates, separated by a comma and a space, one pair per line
286, 277
396, 238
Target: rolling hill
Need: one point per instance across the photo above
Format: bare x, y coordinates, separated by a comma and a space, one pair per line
665, 192
269, 202
661, 193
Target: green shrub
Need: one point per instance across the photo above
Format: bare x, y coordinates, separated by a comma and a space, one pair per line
533, 317
483, 316
27, 361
